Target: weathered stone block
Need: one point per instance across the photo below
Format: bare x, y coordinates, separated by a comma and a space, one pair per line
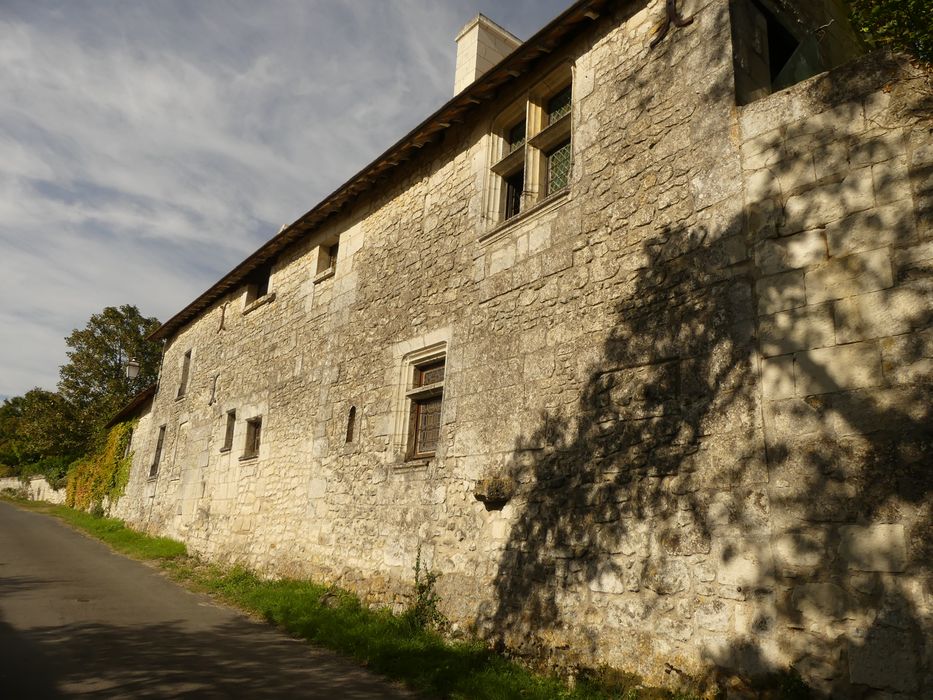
868, 230
881, 313
853, 274
837, 368
798, 329
813, 209
884, 659
800, 250
777, 377
714, 615
779, 292
874, 547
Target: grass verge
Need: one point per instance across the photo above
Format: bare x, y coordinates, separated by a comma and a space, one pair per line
330, 617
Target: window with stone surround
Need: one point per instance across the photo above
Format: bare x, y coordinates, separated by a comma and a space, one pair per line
253, 438
257, 286
327, 258
531, 153
426, 399
157, 457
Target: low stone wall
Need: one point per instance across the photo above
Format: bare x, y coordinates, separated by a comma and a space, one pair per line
37, 489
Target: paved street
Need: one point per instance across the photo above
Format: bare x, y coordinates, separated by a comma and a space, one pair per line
77, 620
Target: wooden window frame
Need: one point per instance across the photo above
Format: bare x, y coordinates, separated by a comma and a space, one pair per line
253, 438
424, 393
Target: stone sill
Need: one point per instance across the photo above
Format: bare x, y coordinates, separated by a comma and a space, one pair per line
412, 465
261, 301
549, 203
250, 458
325, 274
225, 450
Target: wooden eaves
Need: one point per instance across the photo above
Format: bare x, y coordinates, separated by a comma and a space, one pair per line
135, 405
484, 89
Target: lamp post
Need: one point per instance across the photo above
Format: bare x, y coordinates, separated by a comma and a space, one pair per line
132, 368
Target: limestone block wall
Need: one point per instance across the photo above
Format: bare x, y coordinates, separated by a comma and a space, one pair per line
704, 368
37, 489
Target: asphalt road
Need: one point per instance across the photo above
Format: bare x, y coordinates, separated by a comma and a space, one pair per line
77, 620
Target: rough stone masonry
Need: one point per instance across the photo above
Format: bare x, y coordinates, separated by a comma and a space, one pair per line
685, 413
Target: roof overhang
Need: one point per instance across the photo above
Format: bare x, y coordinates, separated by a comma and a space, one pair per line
136, 404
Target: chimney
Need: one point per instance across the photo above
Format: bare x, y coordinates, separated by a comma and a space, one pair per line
481, 44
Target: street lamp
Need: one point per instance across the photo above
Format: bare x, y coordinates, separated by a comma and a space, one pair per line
132, 369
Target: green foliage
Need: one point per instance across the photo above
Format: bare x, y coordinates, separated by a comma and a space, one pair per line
103, 473
39, 436
93, 380
54, 469
905, 25
424, 612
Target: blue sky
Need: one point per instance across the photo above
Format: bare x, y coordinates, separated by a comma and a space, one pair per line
147, 147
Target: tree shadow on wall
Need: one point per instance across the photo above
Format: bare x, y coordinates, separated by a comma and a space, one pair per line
699, 494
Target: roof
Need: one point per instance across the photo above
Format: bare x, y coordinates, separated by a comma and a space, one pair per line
516, 64
135, 406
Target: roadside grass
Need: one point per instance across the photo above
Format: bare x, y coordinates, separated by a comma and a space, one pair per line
393, 645
111, 531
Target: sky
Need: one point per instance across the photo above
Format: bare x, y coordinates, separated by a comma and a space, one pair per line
148, 147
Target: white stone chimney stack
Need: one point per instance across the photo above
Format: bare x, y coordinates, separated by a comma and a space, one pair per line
481, 44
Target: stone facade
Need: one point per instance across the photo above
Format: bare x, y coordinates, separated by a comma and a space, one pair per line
685, 418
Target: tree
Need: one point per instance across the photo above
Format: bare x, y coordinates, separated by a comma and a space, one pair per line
11, 448
94, 380
905, 25
48, 426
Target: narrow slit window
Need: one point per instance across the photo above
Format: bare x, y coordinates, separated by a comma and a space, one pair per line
185, 370
228, 434
157, 457
351, 425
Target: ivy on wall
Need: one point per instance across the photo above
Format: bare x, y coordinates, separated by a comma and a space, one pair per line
102, 474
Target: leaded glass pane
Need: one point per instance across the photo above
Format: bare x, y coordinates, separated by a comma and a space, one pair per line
516, 137
558, 168
559, 105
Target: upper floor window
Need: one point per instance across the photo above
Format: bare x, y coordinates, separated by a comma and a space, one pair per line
257, 285
253, 437
531, 150
327, 259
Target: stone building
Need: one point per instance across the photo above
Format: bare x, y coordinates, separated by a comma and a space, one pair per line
630, 340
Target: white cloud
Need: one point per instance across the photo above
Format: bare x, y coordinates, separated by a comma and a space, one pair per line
145, 148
